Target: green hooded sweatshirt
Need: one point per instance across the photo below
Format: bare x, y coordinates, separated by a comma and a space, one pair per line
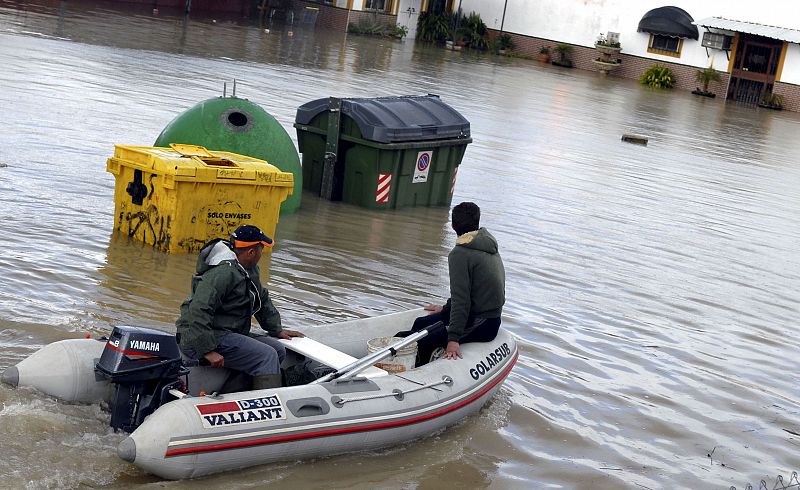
477, 282
224, 297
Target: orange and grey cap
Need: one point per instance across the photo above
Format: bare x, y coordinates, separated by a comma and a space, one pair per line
249, 235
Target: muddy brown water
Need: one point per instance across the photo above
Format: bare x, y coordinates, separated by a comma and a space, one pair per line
654, 290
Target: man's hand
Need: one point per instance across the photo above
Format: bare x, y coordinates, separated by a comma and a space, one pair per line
288, 334
214, 359
433, 308
453, 350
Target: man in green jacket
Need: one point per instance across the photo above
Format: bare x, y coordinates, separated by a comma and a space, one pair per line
226, 293
477, 290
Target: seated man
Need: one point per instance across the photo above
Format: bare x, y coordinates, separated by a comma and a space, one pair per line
477, 290
226, 292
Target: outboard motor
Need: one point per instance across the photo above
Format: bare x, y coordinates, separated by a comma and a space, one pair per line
144, 365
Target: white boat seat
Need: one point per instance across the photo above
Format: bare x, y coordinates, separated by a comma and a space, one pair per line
329, 356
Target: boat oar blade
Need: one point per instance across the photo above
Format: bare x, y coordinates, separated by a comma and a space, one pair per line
365, 362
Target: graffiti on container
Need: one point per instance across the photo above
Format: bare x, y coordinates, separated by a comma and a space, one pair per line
147, 225
192, 245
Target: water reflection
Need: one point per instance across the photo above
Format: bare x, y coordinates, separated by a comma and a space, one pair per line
336, 251
140, 286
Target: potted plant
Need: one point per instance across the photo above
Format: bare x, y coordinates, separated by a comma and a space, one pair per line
505, 43
706, 76
772, 101
544, 54
606, 48
563, 51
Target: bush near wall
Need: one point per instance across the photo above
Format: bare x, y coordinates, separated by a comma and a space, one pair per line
379, 29
790, 94
470, 29
658, 76
633, 66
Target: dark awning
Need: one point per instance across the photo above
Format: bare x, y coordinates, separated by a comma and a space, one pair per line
668, 21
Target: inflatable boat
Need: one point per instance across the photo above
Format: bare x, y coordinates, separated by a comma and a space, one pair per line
182, 427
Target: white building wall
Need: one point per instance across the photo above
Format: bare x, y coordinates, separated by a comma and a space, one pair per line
359, 5
408, 14
580, 21
791, 66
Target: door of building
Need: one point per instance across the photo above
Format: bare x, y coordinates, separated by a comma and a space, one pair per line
755, 66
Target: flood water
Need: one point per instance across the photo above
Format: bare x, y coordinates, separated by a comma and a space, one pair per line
653, 289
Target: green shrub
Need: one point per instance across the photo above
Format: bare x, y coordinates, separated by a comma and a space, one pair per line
506, 42
439, 28
434, 28
658, 76
473, 31
706, 76
378, 29
772, 100
398, 31
563, 51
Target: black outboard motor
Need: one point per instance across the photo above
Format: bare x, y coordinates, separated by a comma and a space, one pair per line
144, 365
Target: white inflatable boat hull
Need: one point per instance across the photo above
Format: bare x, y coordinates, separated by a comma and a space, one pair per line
196, 436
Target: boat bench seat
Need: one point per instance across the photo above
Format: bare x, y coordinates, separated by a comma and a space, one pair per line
329, 356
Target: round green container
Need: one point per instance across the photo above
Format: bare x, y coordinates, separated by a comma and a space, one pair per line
238, 126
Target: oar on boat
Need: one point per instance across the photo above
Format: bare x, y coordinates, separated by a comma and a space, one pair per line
359, 365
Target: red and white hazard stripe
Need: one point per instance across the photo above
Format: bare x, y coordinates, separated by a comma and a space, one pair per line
453, 182
384, 186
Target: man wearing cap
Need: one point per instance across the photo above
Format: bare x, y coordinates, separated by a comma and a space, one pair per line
226, 292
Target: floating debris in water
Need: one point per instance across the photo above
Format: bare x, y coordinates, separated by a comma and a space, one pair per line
636, 139
793, 484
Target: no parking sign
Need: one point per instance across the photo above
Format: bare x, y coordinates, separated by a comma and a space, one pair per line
424, 159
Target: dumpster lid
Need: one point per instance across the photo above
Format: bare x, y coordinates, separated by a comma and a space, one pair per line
396, 119
202, 155
190, 150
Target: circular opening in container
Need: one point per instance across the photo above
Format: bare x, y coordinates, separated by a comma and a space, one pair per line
237, 119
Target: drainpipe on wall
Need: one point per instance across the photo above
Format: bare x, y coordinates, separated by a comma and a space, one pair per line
502, 23
455, 24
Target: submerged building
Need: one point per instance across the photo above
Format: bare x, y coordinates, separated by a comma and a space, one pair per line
755, 48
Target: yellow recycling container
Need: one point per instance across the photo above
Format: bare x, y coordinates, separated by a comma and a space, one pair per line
179, 198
